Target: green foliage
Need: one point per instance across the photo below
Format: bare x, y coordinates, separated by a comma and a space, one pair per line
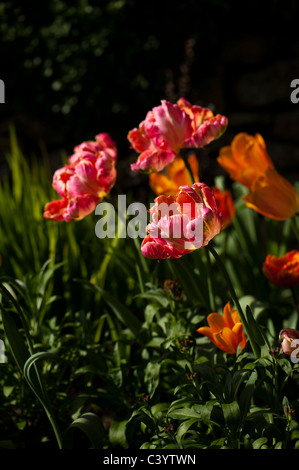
72, 65
101, 345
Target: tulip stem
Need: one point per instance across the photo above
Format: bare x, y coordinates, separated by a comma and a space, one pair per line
210, 282
187, 164
295, 299
295, 227
235, 299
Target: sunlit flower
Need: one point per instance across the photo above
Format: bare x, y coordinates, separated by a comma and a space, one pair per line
225, 205
181, 223
246, 160
282, 271
273, 196
84, 181
290, 341
176, 175
225, 331
205, 126
168, 128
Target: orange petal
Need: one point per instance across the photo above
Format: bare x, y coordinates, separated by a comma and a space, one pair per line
239, 335
273, 196
161, 184
178, 173
282, 271
215, 321
193, 162
245, 159
231, 315
206, 331
226, 340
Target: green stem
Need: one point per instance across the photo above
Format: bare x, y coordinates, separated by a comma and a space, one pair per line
295, 227
39, 377
275, 391
210, 282
295, 299
187, 164
19, 311
235, 299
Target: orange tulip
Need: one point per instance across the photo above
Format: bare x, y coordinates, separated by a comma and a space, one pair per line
176, 175
282, 271
225, 205
225, 331
246, 160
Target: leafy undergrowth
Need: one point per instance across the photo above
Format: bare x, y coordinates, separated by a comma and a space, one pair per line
101, 344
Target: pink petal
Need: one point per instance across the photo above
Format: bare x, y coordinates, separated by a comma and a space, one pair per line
105, 142
159, 249
208, 131
153, 160
54, 210
168, 126
61, 178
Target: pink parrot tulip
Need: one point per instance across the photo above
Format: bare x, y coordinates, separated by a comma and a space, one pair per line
84, 181
181, 223
168, 128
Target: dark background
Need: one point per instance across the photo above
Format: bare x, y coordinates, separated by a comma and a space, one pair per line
74, 69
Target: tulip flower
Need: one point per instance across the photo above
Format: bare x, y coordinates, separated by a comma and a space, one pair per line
290, 341
88, 177
225, 205
176, 175
273, 196
181, 223
246, 160
282, 271
168, 128
225, 331
205, 126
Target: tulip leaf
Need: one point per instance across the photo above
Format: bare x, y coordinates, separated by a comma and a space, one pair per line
184, 428
151, 376
16, 340
90, 425
259, 443
286, 366
117, 432
120, 310
255, 329
191, 287
231, 413
183, 413
33, 378
206, 411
